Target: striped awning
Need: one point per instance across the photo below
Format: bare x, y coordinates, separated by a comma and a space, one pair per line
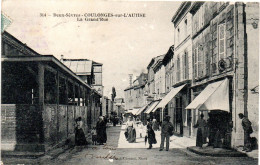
169, 97
141, 110
152, 106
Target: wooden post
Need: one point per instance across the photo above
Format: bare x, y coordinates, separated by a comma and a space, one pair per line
57, 102
67, 111
41, 83
74, 93
66, 92
79, 95
40, 79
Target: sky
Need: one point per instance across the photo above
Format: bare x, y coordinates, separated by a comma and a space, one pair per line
124, 45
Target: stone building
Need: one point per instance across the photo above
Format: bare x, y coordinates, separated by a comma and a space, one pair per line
224, 68
134, 95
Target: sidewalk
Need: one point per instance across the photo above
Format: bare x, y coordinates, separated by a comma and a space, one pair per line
184, 142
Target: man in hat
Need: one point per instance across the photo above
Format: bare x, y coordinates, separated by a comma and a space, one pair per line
248, 130
166, 132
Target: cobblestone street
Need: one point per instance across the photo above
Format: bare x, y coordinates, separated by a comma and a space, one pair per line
118, 151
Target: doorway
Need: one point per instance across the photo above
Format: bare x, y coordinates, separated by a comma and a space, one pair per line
178, 122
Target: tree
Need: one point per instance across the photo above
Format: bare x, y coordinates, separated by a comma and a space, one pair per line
113, 95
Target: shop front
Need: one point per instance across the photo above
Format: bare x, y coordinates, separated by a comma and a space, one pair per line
214, 103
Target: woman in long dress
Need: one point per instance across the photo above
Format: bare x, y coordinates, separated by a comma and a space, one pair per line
80, 138
150, 134
101, 131
201, 125
131, 131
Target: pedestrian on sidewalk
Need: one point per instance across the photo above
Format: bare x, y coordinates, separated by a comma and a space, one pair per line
150, 134
201, 136
166, 132
94, 136
101, 131
155, 125
247, 130
131, 131
80, 138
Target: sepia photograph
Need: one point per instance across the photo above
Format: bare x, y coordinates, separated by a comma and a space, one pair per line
98, 82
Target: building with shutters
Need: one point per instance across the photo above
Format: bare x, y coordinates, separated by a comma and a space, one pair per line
225, 49
182, 21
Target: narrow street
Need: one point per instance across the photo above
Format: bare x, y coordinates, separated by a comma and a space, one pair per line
118, 151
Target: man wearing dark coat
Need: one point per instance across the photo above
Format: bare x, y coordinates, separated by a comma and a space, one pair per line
167, 128
247, 130
101, 131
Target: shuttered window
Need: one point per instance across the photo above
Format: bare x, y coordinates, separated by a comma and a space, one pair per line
195, 59
178, 69
221, 41
200, 61
185, 66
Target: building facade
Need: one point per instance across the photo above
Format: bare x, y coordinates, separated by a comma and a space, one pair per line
182, 21
221, 61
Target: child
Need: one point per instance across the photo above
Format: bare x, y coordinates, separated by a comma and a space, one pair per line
142, 130
94, 135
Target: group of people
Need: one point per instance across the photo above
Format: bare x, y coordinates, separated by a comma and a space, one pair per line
152, 125
99, 135
212, 130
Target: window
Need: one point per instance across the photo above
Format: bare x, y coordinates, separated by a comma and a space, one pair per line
200, 60
195, 57
221, 41
185, 66
178, 75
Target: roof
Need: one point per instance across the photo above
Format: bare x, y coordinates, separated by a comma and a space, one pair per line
24, 48
168, 55
80, 67
158, 62
181, 11
154, 60
47, 58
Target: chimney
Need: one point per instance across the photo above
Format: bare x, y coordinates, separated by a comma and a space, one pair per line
61, 58
131, 80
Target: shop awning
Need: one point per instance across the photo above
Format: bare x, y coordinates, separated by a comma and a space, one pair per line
151, 107
169, 97
141, 109
133, 111
214, 97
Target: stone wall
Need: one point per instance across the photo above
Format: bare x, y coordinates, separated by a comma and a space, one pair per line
252, 34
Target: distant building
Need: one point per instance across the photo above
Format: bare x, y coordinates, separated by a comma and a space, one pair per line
134, 95
90, 71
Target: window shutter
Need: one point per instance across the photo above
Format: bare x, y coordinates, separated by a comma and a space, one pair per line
195, 65
183, 67
186, 65
221, 41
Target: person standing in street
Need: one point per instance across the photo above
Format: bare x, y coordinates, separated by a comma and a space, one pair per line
150, 134
101, 131
166, 132
247, 130
80, 138
155, 125
131, 131
201, 125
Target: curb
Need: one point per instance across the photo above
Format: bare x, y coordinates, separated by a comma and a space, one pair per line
235, 154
